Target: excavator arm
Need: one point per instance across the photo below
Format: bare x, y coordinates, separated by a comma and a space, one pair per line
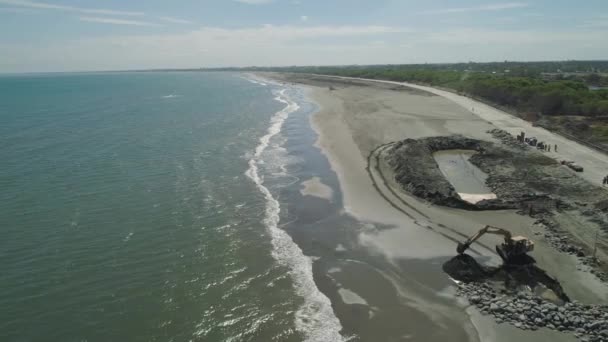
462, 247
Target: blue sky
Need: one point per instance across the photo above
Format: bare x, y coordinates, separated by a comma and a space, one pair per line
74, 35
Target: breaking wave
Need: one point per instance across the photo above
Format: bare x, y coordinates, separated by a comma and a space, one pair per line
315, 319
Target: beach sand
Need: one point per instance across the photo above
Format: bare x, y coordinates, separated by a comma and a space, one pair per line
393, 268
314, 187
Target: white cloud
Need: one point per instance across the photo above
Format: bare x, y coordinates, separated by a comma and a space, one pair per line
44, 5
302, 45
175, 20
600, 21
470, 36
292, 32
533, 15
481, 8
304, 18
25, 6
254, 2
114, 21
15, 10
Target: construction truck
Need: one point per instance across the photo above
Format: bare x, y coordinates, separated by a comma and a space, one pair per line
513, 250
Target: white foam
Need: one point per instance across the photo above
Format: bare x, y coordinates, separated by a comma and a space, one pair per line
170, 96
315, 318
255, 81
340, 248
334, 270
128, 237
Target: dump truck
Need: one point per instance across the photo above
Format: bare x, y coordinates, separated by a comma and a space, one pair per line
513, 250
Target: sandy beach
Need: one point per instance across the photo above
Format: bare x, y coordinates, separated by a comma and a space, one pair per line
412, 238
594, 162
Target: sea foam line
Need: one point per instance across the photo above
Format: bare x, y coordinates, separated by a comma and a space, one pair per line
315, 318
251, 79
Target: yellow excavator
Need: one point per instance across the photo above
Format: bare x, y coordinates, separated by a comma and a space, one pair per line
512, 251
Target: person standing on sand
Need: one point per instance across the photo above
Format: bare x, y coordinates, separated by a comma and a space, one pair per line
549, 147
604, 180
555, 148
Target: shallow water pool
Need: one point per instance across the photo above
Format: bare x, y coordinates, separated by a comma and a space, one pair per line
468, 180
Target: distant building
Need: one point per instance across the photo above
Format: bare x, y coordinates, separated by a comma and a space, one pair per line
550, 76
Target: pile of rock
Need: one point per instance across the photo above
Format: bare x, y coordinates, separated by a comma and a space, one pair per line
563, 244
505, 137
529, 312
416, 170
590, 263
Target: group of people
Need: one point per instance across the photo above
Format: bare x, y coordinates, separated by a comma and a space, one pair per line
541, 145
547, 147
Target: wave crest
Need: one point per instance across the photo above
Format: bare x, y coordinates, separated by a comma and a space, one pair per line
315, 318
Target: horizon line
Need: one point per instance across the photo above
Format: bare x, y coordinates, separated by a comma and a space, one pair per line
223, 68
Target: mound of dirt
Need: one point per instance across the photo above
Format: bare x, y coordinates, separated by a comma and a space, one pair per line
521, 177
418, 173
464, 268
512, 278
527, 298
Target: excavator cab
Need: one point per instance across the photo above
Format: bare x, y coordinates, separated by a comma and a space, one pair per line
512, 251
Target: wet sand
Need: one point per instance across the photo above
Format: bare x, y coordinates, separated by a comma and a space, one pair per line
394, 262
314, 187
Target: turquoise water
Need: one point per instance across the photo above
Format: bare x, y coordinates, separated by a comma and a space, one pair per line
144, 207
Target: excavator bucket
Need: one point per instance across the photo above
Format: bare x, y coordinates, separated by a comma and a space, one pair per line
462, 247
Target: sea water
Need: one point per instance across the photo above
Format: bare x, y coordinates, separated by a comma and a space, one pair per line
153, 207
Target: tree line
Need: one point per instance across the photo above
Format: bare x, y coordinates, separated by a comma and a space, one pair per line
559, 96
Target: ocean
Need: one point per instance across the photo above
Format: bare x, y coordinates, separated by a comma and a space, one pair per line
160, 206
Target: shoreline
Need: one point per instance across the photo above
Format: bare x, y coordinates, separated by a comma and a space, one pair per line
353, 119
364, 202
361, 249
481, 327
314, 319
